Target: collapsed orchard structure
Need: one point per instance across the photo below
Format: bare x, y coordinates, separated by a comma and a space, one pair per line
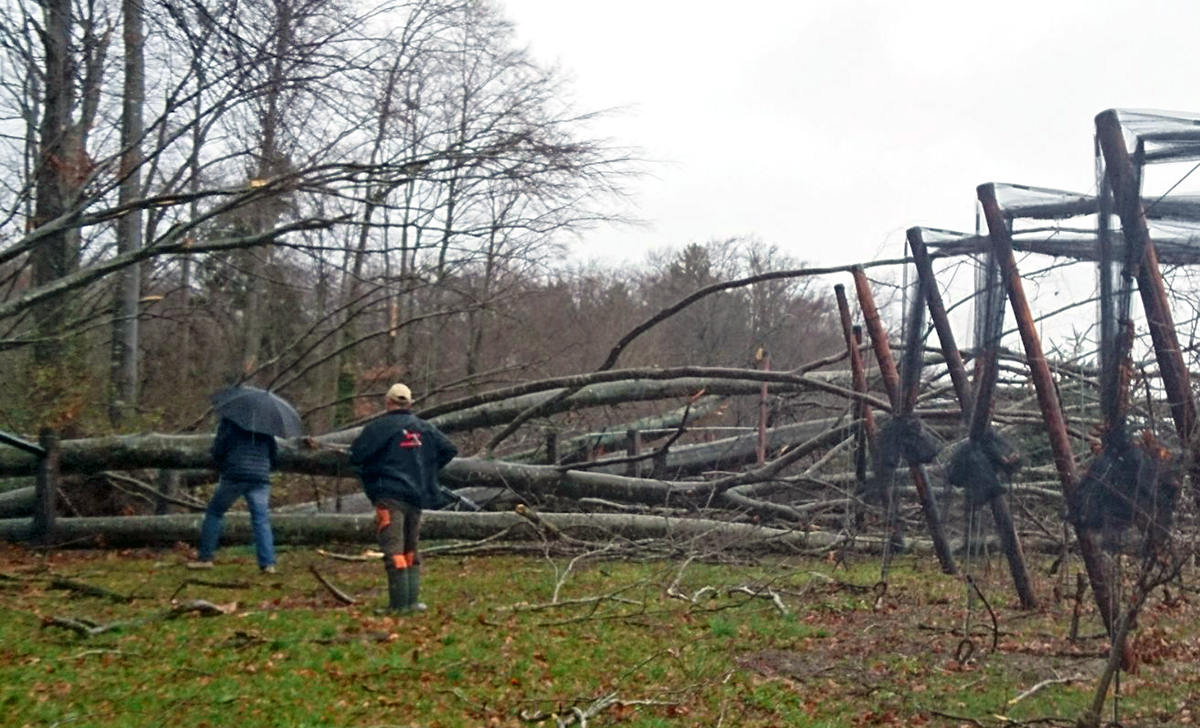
1093, 447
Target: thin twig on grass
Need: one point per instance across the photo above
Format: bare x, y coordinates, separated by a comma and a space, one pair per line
79, 587
762, 594
203, 607
213, 584
952, 716
338, 594
995, 622
468, 546
149, 492
1043, 684
365, 556
86, 627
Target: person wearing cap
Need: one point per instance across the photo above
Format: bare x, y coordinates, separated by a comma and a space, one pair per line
398, 457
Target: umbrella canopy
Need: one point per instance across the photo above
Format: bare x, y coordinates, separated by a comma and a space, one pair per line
257, 410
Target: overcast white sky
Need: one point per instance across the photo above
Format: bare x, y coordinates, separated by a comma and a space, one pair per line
829, 127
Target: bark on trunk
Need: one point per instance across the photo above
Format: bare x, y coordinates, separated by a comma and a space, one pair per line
124, 388
308, 529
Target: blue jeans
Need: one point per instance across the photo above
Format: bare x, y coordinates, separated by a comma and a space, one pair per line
257, 495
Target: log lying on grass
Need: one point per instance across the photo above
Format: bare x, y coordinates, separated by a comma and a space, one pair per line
91, 455
690, 534
14, 503
317, 529
152, 531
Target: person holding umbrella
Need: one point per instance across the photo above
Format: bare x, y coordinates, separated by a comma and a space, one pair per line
245, 453
398, 457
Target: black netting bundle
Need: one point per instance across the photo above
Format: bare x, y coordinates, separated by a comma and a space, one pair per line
1126, 484
982, 467
905, 437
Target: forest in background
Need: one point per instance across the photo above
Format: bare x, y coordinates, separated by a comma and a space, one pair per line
322, 197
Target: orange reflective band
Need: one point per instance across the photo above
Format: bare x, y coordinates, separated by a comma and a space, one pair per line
399, 561
383, 519
411, 556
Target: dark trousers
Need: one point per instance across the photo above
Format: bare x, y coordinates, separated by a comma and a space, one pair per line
398, 527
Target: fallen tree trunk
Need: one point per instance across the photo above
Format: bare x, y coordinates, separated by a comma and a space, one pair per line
599, 395
93, 455
502, 407
688, 534
732, 453
131, 531
657, 427
18, 502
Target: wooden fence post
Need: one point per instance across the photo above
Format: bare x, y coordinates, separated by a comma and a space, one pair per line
168, 487
633, 448
46, 488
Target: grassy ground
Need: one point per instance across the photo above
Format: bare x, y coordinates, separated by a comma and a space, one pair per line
493, 651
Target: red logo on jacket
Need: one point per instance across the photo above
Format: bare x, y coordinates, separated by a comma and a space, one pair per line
410, 439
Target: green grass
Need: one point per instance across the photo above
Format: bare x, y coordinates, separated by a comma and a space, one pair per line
492, 648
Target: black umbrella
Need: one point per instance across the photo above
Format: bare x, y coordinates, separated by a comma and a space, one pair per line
257, 410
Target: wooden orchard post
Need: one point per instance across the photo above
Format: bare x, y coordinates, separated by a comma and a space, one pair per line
1047, 398
891, 381
975, 411
865, 433
1126, 194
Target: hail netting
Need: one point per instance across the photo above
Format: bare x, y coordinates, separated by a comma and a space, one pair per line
984, 464
1130, 480
904, 437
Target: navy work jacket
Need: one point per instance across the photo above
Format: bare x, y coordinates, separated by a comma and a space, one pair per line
398, 456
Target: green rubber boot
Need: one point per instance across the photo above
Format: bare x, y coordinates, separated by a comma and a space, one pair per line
400, 595
414, 590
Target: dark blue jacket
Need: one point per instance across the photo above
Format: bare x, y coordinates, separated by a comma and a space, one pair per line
398, 456
243, 455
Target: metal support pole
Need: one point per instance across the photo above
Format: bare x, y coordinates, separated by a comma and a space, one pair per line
891, 382
1047, 398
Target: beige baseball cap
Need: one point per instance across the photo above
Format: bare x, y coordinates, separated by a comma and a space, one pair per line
400, 394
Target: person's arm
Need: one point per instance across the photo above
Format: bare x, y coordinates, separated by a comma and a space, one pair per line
366, 445
220, 443
446, 451
273, 452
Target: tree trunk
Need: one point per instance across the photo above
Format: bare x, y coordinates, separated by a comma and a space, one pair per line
53, 257
692, 534
123, 392
322, 529
192, 451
